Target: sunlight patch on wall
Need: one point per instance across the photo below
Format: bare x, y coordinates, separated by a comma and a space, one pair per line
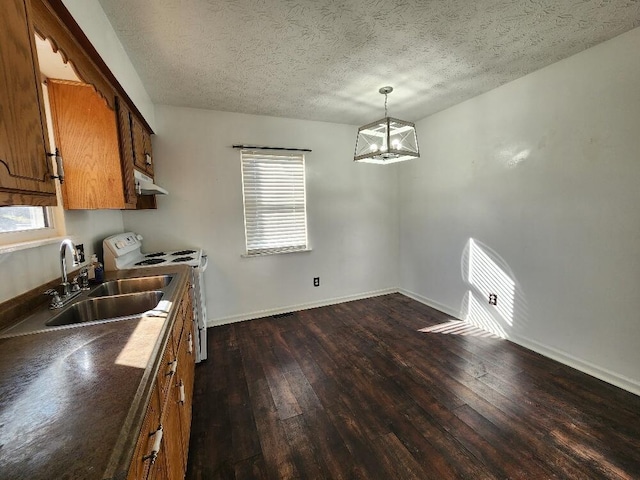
478, 315
489, 279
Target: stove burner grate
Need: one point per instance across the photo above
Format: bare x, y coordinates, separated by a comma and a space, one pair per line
183, 252
156, 254
182, 259
151, 261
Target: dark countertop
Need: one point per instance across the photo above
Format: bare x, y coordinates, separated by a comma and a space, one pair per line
72, 400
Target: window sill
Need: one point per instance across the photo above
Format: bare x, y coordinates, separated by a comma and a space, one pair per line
15, 247
267, 254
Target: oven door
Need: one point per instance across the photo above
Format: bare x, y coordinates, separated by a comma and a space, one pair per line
199, 310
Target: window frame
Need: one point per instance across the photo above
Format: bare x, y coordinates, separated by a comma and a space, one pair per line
282, 249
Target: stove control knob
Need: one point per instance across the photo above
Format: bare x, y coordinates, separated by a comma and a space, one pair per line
139, 237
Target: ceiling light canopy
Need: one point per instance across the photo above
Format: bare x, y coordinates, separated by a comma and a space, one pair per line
388, 140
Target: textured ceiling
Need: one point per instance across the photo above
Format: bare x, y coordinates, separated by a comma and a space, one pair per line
326, 59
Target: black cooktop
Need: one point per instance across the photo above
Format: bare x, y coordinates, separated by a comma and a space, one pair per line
182, 259
151, 261
184, 252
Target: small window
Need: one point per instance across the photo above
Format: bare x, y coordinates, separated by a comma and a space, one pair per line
275, 216
19, 219
21, 226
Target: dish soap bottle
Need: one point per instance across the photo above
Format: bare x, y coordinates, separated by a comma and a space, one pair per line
96, 270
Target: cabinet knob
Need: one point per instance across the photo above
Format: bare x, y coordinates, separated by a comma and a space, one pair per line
182, 396
155, 449
173, 366
59, 165
190, 344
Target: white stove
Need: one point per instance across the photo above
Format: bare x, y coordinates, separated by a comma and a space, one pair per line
123, 251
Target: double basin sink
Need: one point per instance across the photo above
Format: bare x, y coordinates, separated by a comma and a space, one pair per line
110, 301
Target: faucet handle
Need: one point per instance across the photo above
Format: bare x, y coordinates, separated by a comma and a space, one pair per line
56, 301
82, 278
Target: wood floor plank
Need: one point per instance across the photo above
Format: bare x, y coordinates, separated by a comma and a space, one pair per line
337, 458
357, 391
303, 450
277, 454
250, 469
244, 433
397, 459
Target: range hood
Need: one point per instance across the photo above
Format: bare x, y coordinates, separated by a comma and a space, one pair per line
145, 185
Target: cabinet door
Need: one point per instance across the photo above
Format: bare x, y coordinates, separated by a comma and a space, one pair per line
186, 372
86, 132
159, 470
175, 454
143, 158
25, 176
141, 462
125, 136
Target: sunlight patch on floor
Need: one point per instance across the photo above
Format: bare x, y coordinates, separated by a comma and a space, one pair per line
456, 327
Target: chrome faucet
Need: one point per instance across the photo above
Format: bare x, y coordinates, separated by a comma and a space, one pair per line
66, 290
60, 300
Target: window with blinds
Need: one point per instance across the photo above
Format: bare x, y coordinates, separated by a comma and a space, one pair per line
275, 215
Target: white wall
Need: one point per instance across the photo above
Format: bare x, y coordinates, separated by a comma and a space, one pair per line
23, 270
96, 26
544, 174
352, 218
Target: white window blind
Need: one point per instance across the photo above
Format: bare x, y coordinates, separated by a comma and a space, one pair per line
275, 216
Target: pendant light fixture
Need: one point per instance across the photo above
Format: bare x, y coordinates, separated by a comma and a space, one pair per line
388, 140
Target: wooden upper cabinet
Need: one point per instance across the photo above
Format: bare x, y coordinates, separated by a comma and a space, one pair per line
131, 135
25, 174
143, 156
86, 131
126, 152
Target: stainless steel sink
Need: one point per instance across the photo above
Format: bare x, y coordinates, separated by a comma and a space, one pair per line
103, 308
114, 300
132, 285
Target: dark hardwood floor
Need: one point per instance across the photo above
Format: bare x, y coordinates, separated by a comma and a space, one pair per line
357, 391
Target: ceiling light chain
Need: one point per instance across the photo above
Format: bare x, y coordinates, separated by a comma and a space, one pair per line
386, 97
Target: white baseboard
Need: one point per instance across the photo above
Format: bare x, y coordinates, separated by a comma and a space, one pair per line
603, 374
294, 308
565, 358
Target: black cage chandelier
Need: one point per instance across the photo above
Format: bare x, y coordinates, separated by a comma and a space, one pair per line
388, 140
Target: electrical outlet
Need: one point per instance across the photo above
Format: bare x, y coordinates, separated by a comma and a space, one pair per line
80, 250
316, 281
493, 299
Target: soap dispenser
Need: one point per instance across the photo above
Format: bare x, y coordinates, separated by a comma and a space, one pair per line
96, 270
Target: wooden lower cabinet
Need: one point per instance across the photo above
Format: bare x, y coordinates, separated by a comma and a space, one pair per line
169, 407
